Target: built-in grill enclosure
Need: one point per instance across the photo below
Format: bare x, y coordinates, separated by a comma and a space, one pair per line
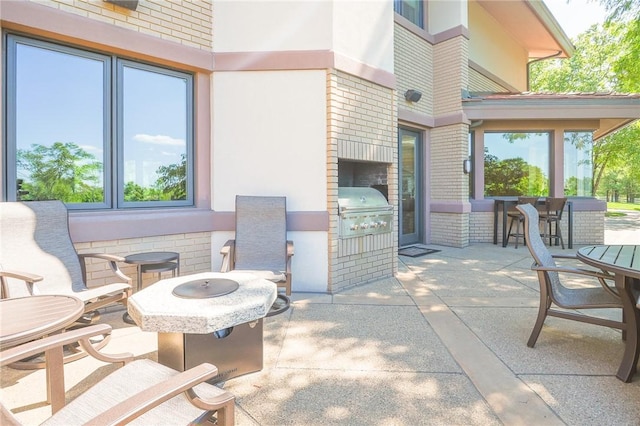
363, 211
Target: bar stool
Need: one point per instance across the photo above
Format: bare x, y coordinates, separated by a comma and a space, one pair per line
550, 217
518, 218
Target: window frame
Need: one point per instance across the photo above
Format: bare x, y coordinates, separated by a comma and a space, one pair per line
398, 7
120, 63
113, 178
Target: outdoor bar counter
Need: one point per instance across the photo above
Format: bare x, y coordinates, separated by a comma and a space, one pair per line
225, 330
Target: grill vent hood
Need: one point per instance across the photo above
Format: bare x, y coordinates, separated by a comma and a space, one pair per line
361, 198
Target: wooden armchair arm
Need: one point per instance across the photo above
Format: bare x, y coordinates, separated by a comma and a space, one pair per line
24, 276
227, 252
289, 255
27, 277
111, 258
81, 335
144, 401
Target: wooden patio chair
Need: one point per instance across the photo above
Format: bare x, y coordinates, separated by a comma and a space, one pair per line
37, 257
260, 246
141, 392
518, 218
550, 217
553, 292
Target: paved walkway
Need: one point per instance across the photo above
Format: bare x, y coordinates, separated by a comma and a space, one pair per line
443, 342
624, 229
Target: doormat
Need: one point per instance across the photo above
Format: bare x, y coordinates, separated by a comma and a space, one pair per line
416, 251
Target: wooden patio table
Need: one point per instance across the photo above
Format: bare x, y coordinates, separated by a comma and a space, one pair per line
24, 319
624, 262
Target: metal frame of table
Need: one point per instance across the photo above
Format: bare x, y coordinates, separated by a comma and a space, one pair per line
27, 318
154, 262
624, 262
509, 201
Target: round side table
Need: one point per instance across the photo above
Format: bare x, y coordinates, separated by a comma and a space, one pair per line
154, 262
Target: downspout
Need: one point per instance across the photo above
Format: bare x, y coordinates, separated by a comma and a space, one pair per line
538, 60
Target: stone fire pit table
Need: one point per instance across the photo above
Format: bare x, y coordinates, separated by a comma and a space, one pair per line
224, 330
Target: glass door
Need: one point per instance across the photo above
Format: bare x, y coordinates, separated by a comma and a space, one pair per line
410, 213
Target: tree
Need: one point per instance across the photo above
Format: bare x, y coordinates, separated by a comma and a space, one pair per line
627, 64
62, 171
597, 66
172, 180
512, 176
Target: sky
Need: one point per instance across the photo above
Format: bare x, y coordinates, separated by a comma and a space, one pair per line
576, 16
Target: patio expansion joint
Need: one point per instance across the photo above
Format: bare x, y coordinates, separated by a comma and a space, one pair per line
512, 401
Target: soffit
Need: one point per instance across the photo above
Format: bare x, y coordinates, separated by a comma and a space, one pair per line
531, 23
611, 111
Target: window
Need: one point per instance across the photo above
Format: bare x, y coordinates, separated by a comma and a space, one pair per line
516, 164
411, 10
578, 164
95, 130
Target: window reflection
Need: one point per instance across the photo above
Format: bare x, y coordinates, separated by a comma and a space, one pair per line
95, 135
154, 136
578, 164
59, 125
516, 163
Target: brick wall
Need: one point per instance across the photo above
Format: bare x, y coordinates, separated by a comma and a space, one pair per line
361, 127
449, 144
451, 75
480, 83
481, 227
449, 147
413, 60
188, 22
588, 228
194, 250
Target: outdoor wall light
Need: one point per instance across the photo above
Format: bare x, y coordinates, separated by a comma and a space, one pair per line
412, 95
128, 4
466, 166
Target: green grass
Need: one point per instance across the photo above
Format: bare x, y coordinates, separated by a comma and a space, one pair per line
614, 214
620, 206
623, 206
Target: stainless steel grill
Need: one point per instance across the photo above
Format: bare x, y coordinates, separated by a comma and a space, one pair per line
363, 211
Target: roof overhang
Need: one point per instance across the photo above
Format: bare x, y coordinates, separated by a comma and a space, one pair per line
531, 23
609, 112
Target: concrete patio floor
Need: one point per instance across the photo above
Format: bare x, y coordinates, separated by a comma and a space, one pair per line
443, 342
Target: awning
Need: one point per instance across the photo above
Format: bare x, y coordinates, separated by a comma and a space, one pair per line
604, 112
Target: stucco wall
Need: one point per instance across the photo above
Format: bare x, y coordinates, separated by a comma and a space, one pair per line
241, 26
269, 138
443, 15
494, 49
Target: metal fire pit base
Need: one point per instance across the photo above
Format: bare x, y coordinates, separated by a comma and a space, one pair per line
235, 351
